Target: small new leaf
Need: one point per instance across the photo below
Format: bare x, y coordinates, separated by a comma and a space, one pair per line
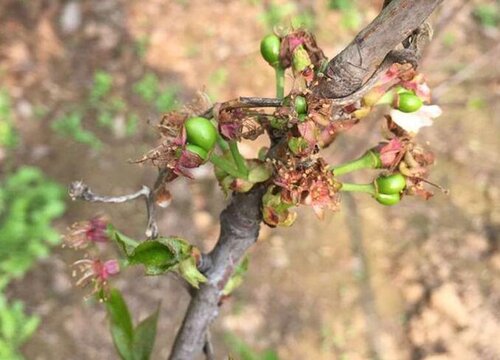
259, 173
144, 336
124, 242
237, 278
190, 273
122, 329
160, 255
155, 256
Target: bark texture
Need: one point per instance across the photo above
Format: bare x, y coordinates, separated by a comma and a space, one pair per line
354, 66
240, 224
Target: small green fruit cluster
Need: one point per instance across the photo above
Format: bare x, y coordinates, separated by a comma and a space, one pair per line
201, 136
408, 102
270, 49
301, 105
388, 188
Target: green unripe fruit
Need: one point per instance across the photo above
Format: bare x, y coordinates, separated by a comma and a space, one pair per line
201, 132
302, 117
197, 150
392, 184
300, 105
270, 49
409, 102
388, 199
401, 90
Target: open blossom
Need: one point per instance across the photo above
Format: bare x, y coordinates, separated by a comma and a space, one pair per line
84, 233
412, 122
95, 272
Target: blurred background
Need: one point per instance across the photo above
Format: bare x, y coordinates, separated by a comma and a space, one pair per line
82, 84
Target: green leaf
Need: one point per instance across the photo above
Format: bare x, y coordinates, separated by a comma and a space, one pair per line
29, 327
8, 324
117, 104
131, 125
155, 256
177, 245
245, 352
126, 243
105, 118
166, 99
259, 173
190, 273
70, 125
148, 87
270, 355
237, 278
341, 5
15, 328
103, 82
144, 336
8, 136
238, 346
29, 202
122, 329
351, 19
488, 14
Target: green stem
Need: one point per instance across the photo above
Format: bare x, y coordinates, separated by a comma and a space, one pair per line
224, 146
226, 166
367, 188
220, 140
280, 81
370, 160
238, 159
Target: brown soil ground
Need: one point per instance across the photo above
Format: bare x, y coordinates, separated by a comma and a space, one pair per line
417, 281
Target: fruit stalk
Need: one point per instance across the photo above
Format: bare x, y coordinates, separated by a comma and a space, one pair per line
369, 160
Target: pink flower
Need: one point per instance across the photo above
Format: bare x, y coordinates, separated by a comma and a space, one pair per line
96, 272
84, 233
390, 151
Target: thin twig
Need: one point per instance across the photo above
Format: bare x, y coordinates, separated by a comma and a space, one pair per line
244, 102
260, 102
81, 191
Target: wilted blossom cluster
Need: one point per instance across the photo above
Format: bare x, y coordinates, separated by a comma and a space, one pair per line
291, 168
91, 270
289, 172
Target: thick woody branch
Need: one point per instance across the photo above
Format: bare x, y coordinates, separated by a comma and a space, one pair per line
358, 62
240, 223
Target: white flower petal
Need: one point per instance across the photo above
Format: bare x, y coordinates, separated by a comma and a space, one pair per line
432, 111
411, 122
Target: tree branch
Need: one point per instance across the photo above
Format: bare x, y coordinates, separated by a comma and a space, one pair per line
360, 60
240, 221
240, 224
